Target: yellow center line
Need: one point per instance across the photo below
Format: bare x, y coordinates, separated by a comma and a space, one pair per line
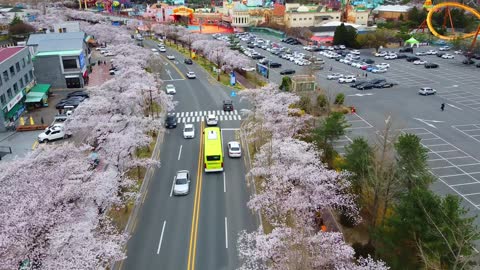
196, 206
174, 66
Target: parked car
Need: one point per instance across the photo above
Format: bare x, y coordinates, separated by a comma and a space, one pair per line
448, 56
287, 72
188, 61
334, 76
234, 149
385, 85
427, 91
357, 84
228, 105
54, 133
381, 54
431, 65
420, 53
406, 49
468, 62
412, 58
444, 48
390, 57
383, 65
188, 131
379, 70
440, 54
182, 183
419, 62
78, 94
171, 121
347, 79
73, 101
401, 56
365, 86
162, 49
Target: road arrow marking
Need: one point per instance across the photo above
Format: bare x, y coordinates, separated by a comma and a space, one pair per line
169, 74
428, 122
453, 106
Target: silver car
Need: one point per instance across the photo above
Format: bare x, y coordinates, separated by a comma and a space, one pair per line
181, 185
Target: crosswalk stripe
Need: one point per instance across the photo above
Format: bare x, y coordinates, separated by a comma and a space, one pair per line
235, 111
177, 114
202, 119
178, 120
196, 113
188, 120
181, 114
234, 117
220, 112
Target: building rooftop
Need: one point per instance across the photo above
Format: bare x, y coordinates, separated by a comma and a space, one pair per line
35, 39
393, 8
60, 45
6, 53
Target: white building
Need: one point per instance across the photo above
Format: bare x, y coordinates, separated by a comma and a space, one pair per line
66, 27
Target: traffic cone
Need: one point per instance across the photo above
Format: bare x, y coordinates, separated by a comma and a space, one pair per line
22, 121
31, 121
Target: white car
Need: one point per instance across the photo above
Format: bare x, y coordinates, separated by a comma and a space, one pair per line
390, 57
162, 49
379, 70
383, 66
448, 56
347, 79
191, 75
342, 47
170, 57
248, 69
188, 131
234, 149
356, 52
212, 120
109, 54
431, 52
334, 76
170, 89
420, 53
458, 52
444, 48
154, 50
427, 91
159, 45
181, 184
381, 54
419, 62
51, 134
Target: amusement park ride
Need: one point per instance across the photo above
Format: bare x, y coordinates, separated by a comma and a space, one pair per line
448, 19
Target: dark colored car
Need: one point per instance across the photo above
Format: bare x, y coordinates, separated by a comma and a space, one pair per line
287, 39
440, 54
227, 105
171, 121
468, 62
71, 101
365, 86
357, 83
478, 65
78, 94
287, 71
251, 46
407, 49
431, 65
257, 56
402, 56
412, 58
384, 85
188, 61
368, 61
377, 81
275, 65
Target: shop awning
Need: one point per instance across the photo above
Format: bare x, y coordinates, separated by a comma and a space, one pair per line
41, 88
33, 97
14, 110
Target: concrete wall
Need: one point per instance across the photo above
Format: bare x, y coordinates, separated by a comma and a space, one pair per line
48, 69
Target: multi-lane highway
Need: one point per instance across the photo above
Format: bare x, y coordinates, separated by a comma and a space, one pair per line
197, 231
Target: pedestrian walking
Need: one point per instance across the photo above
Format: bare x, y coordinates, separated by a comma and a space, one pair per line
104, 62
442, 107
41, 121
366, 75
331, 68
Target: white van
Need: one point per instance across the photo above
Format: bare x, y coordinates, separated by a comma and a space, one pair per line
55, 132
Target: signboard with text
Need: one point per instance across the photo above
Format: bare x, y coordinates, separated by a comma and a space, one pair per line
14, 101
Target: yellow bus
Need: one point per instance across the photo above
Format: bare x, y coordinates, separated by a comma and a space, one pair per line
213, 151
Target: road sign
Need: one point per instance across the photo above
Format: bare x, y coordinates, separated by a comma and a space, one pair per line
233, 94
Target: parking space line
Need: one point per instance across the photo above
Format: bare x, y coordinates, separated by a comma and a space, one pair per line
430, 145
436, 152
471, 194
464, 184
463, 131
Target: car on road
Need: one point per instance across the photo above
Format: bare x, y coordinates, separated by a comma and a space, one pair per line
412, 58
171, 121
419, 62
383, 65
365, 86
431, 65
381, 54
379, 70
287, 72
448, 56
425, 91
170, 89
182, 183
347, 79
212, 120
154, 50
188, 61
227, 105
162, 49
159, 45
54, 133
171, 57
390, 56
188, 131
334, 76
234, 149
191, 75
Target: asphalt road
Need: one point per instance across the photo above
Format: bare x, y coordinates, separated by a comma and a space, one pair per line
164, 233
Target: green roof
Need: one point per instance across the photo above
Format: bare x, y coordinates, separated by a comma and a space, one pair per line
40, 88
61, 53
33, 97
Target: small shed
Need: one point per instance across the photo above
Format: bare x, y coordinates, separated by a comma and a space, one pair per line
302, 83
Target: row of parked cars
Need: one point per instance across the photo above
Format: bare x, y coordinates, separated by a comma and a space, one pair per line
360, 84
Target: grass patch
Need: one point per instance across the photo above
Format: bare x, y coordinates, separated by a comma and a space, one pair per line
120, 214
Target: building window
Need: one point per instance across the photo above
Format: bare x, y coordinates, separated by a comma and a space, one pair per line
12, 71
17, 66
294, 19
29, 59
30, 73
3, 100
9, 93
23, 62
69, 63
21, 83
26, 78
1, 81
310, 19
5, 75
15, 87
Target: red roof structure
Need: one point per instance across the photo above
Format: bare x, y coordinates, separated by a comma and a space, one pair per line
8, 52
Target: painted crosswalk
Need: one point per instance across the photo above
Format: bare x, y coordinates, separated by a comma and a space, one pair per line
198, 116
